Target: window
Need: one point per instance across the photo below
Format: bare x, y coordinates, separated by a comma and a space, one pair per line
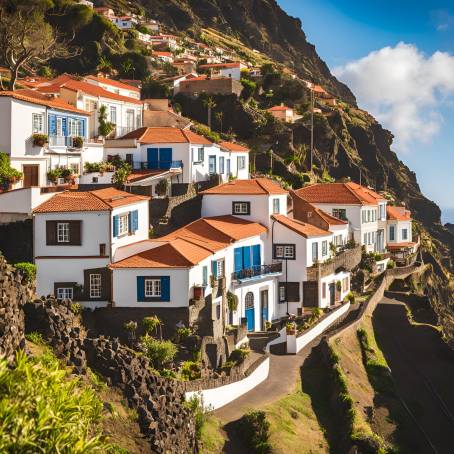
64, 293
75, 127
220, 267
113, 115
324, 290
123, 224
152, 288
405, 234
94, 179
63, 232
392, 233
221, 165
75, 168
212, 165
324, 248
282, 293
314, 252
345, 286
365, 239
276, 206
205, 276
338, 241
59, 127
38, 123
241, 208
249, 300
382, 211
102, 249
284, 251
241, 162
368, 215
200, 154
340, 213
95, 286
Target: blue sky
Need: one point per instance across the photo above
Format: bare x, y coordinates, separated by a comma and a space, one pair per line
359, 40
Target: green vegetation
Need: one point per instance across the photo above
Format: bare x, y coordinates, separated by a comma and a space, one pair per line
8, 174
152, 324
159, 352
254, 428
105, 127
28, 271
211, 439
35, 338
42, 409
190, 370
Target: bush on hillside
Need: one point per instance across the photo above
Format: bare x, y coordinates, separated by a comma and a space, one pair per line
159, 352
255, 431
28, 270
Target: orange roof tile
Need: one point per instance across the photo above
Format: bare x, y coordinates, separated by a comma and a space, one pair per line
279, 108
257, 186
234, 147
98, 200
193, 243
393, 246
37, 98
114, 83
221, 65
339, 193
398, 213
301, 228
166, 135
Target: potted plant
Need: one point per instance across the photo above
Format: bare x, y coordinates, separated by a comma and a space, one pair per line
290, 328
78, 142
161, 187
39, 140
67, 174
54, 174
232, 301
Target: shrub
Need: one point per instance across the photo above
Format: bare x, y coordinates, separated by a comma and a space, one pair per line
36, 338
159, 352
232, 301
255, 430
190, 370
39, 140
120, 177
195, 405
78, 142
76, 308
105, 127
182, 333
227, 366
54, 174
7, 173
161, 187
391, 264
350, 297
239, 355
44, 410
151, 324
206, 132
28, 271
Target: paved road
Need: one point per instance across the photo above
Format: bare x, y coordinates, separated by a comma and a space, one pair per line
423, 369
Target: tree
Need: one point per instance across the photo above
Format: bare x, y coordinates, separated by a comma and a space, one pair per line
127, 68
28, 41
8, 174
120, 176
105, 127
210, 104
105, 65
219, 116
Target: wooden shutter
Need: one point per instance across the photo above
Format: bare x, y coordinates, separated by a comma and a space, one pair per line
75, 233
214, 268
165, 288
293, 292
256, 259
140, 288
115, 226
51, 233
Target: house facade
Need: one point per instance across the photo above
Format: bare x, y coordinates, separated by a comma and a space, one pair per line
77, 235
401, 243
229, 70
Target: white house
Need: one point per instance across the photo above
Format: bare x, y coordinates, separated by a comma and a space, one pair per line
114, 86
363, 208
39, 133
125, 22
76, 236
284, 113
176, 148
400, 235
202, 261
231, 70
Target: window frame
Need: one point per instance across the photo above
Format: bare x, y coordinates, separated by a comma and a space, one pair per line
314, 256
392, 232
243, 204
276, 204
66, 289
405, 237
340, 213
95, 285
125, 223
64, 229
324, 248
288, 251
241, 162
152, 288
40, 118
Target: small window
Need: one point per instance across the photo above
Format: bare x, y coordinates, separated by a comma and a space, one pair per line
315, 252
241, 208
64, 293
276, 206
324, 248
95, 286
340, 213
405, 234
94, 179
392, 233
113, 115
249, 300
38, 123
281, 293
221, 165
284, 251
241, 162
102, 249
220, 268
152, 288
200, 154
345, 285
63, 232
123, 226
205, 276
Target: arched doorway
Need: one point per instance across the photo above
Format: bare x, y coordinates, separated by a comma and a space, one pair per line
250, 313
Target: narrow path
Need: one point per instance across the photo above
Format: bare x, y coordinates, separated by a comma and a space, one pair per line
423, 370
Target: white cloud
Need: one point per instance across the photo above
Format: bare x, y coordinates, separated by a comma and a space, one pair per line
404, 89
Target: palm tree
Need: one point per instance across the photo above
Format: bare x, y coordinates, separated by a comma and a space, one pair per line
219, 116
127, 68
104, 64
209, 103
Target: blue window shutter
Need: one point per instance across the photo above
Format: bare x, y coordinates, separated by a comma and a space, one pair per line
52, 125
256, 259
247, 257
140, 288
82, 127
205, 276
238, 259
64, 126
115, 226
214, 268
165, 288
130, 229
135, 220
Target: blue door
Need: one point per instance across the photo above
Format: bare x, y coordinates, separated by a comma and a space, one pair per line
249, 311
238, 259
246, 257
165, 158
256, 259
152, 158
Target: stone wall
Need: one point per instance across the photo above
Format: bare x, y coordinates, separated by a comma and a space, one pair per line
163, 418
14, 293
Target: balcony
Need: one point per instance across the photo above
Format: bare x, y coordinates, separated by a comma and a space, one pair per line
155, 165
257, 272
65, 141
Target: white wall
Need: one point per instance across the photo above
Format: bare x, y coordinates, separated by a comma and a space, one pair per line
5, 124
332, 279
399, 226
114, 89
234, 73
87, 178
218, 397
22, 200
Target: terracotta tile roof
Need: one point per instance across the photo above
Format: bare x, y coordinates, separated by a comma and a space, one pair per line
114, 83
302, 228
94, 90
393, 246
257, 186
234, 147
279, 108
99, 200
37, 98
137, 175
397, 213
162, 53
339, 193
221, 65
193, 243
152, 135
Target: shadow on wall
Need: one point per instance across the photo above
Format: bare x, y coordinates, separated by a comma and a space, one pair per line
16, 241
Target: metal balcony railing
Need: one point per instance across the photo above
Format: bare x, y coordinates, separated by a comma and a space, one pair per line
257, 271
152, 165
121, 131
63, 141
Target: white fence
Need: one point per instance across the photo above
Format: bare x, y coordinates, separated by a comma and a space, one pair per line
296, 343
215, 398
